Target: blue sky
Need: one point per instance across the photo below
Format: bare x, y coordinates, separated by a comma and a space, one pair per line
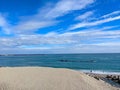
59, 26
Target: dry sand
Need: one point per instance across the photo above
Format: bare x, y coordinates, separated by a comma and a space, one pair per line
40, 78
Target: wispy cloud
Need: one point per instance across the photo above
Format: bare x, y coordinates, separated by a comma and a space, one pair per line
31, 26
95, 39
85, 16
2, 21
65, 6
4, 24
98, 22
108, 27
47, 15
111, 14
54, 38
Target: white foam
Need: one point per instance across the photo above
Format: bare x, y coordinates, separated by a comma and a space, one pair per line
100, 72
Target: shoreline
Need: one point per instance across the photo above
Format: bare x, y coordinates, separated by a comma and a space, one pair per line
104, 72
112, 79
101, 72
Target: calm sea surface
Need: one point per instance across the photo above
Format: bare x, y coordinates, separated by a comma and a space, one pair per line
100, 62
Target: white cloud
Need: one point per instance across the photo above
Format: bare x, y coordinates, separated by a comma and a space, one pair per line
108, 44
4, 24
26, 27
82, 41
65, 6
85, 16
2, 20
95, 23
80, 37
87, 24
111, 14
47, 15
108, 27
69, 49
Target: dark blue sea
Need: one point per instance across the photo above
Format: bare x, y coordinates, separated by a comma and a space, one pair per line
85, 62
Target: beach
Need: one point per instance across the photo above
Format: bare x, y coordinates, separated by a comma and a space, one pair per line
44, 78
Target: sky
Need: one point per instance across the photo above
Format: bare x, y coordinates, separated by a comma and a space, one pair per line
59, 26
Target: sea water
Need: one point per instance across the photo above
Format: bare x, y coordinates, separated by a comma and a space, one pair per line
84, 62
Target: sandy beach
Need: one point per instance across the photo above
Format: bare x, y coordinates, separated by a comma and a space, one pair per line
43, 78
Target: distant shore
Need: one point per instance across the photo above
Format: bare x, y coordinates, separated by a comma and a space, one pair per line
43, 78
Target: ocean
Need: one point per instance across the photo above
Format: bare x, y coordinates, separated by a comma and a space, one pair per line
84, 62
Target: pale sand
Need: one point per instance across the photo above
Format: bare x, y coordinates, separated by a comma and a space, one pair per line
39, 78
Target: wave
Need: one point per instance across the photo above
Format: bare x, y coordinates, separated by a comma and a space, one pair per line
101, 72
